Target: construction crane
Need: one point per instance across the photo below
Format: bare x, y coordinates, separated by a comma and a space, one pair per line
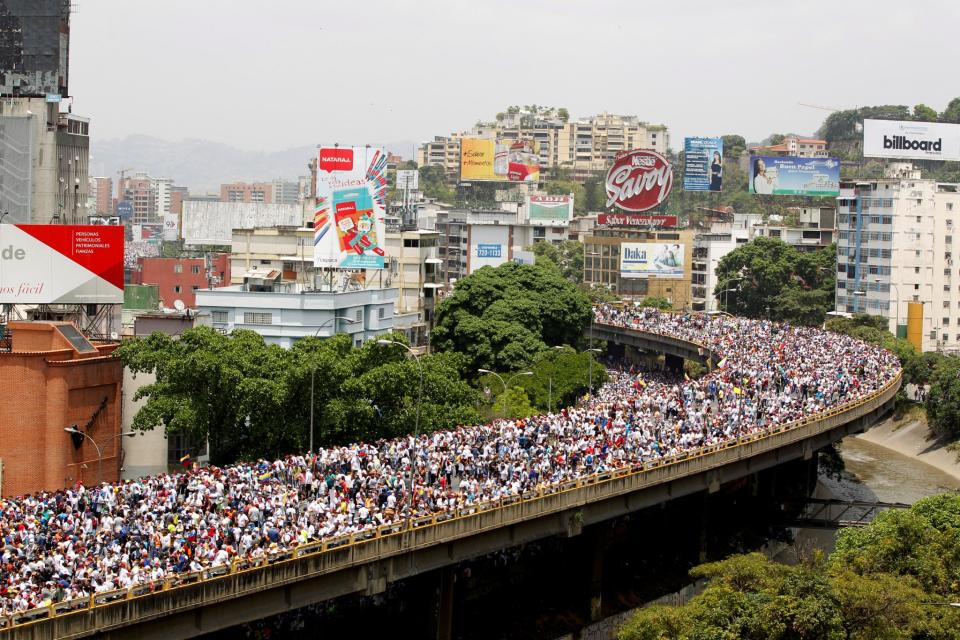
818, 106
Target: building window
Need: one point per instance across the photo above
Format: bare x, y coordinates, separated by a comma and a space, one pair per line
194, 288
257, 318
195, 269
946, 304
947, 240
358, 316
946, 322
178, 268
219, 317
381, 313
916, 269
949, 206
177, 288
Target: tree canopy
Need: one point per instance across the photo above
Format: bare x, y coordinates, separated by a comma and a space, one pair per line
567, 256
768, 278
877, 584
503, 318
252, 400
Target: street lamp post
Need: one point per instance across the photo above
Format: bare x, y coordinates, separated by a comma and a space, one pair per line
591, 352
416, 423
313, 370
726, 300
74, 430
506, 385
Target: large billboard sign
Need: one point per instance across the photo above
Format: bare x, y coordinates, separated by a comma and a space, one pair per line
702, 164
61, 264
638, 181
489, 160
348, 222
489, 246
635, 220
793, 176
550, 211
911, 140
651, 259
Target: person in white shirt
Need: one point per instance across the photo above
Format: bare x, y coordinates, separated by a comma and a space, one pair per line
762, 183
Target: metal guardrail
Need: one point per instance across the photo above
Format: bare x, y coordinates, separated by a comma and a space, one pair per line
342, 552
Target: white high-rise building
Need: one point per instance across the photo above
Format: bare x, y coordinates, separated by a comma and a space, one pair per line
895, 245
162, 188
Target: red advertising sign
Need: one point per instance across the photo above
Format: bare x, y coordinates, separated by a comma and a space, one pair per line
635, 220
639, 180
336, 159
61, 264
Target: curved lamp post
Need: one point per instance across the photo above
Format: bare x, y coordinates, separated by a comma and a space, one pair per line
416, 424
313, 371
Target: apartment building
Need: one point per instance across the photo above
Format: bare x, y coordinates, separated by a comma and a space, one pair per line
602, 264
794, 146
259, 192
806, 228
100, 196
895, 246
584, 147
141, 192
708, 249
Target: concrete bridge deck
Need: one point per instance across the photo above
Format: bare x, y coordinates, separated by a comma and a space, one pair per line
198, 603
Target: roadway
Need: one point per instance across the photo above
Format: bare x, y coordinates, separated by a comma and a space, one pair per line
199, 603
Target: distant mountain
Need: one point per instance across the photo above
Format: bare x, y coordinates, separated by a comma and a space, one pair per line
202, 165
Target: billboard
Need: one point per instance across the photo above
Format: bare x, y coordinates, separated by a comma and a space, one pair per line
408, 179
555, 211
213, 223
489, 246
635, 220
702, 164
792, 176
651, 259
911, 140
489, 160
348, 224
61, 264
171, 226
638, 181
150, 232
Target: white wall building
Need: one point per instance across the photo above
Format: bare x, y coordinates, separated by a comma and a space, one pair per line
708, 249
899, 231
284, 313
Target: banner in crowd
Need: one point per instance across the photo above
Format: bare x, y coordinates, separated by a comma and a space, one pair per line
702, 164
348, 221
489, 160
651, 259
555, 211
635, 220
911, 140
61, 264
793, 176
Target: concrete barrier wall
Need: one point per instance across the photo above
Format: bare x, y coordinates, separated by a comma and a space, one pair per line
192, 591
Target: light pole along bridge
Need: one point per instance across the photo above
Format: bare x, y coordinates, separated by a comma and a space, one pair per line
193, 604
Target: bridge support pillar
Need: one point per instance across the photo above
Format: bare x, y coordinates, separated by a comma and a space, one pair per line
444, 626
673, 364
594, 543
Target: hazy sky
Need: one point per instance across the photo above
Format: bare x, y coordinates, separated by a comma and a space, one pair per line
271, 74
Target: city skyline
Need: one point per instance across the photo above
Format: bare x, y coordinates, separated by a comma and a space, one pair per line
715, 70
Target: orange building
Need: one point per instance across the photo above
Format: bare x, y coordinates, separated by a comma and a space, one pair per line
54, 378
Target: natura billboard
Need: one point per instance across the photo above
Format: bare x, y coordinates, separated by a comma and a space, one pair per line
348, 222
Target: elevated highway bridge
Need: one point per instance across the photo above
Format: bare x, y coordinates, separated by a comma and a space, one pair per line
193, 604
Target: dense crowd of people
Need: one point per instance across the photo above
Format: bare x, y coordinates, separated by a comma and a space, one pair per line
84, 540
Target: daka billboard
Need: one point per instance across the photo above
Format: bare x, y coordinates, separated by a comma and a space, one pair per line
655, 258
703, 164
489, 160
348, 222
793, 176
911, 140
61, 264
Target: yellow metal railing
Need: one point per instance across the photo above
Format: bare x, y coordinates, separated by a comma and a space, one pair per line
425, 524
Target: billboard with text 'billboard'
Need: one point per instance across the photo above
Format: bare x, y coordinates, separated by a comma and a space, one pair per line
61, 264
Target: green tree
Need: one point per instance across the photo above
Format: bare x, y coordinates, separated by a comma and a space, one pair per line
952, 112
656, 303
561, 376
943, 399
565, 187
563, 114
733, 146
567, 256
771, 278
924, 113
502, 319
433, 183
513, 404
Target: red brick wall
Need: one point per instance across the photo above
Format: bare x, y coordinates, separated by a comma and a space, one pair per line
162, 272
40, 397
